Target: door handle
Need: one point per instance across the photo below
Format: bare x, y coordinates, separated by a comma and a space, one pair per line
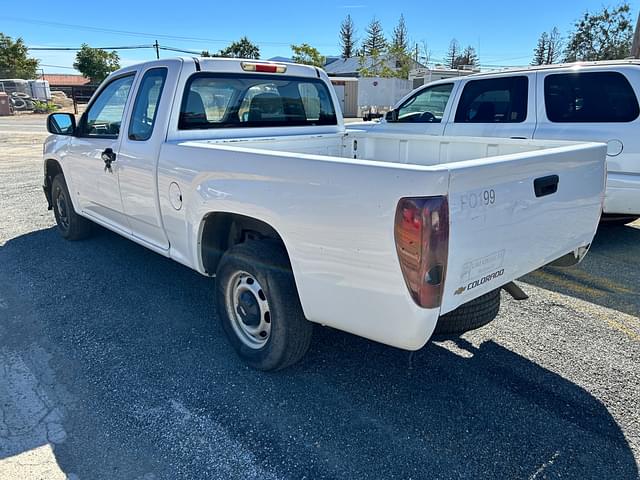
546, 185
108, 157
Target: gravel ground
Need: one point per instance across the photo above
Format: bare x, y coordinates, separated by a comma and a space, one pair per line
113, 366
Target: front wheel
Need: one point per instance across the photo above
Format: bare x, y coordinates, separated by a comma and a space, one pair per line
258, 305
70, 225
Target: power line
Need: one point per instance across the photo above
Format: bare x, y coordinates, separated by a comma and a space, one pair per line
132, 47
137, 34
155, 46
55, 66
173, 49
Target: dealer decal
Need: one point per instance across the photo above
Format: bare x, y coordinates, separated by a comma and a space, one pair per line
480, 281
478, 199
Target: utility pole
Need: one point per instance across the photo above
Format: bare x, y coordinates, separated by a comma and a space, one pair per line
157, 47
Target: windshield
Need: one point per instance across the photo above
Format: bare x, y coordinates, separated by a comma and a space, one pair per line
213, 100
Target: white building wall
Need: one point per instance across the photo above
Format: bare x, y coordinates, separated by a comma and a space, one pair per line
382, 93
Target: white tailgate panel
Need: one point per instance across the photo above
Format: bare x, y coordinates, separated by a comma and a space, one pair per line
508, 232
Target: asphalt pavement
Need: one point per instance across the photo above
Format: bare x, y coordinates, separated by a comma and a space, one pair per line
113, 366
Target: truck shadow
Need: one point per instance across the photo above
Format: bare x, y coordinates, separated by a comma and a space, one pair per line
608, 276
147, 383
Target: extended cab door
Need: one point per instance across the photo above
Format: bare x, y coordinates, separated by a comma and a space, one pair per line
92, 155
500, 106
424, 111
146, 130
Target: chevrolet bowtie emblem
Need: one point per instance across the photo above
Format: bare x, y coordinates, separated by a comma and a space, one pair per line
459, 290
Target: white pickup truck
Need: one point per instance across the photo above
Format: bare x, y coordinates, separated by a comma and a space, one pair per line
244, 170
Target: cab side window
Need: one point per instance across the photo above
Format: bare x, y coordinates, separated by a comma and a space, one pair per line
104, 116
495, 100
145, 109
589, 97
427, 106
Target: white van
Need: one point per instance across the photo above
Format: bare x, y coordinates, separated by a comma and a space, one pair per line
593, 101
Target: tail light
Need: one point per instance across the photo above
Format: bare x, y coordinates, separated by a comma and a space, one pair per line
422, 241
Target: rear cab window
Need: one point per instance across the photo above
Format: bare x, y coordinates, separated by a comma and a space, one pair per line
494, 100
589, 97
219, 100
145, 107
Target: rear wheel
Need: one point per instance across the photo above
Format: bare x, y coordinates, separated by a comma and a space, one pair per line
614, 220
471, 315
70, 225
258, 305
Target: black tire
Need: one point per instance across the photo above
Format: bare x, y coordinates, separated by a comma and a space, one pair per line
471, 315
612, 221
70, 225
289, 331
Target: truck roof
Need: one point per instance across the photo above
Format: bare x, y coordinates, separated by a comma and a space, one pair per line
557, 66
229, 65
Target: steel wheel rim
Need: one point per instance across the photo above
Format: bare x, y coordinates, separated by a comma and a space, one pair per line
248, 309
62, 210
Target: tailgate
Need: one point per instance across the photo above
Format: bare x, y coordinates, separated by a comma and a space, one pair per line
507, 218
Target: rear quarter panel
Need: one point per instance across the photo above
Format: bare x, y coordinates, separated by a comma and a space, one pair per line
336, 220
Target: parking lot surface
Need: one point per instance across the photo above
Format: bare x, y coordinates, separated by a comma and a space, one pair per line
113, 366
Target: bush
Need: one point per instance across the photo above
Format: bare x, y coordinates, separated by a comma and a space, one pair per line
43, 107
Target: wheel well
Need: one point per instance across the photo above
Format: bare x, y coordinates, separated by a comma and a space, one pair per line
222, 231
51, 169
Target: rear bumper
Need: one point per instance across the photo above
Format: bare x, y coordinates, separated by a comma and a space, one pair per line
622, 196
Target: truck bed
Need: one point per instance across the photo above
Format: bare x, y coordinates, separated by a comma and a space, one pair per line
391, 148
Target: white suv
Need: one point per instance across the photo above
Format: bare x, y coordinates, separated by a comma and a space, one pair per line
594, 101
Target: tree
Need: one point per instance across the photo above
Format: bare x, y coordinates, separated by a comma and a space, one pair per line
14, 59
540, 52
452, 53
400, 40
635, 45
424, 53
549, 48
348, 40
554, 50
375, 65
307, 55
375, 39
402, 59
96, 63
468, 57
605, 35
243, 48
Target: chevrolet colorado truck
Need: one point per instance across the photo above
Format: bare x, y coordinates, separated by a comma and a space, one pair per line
243, 170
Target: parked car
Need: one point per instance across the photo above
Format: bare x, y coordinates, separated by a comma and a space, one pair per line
594, 101
243, 170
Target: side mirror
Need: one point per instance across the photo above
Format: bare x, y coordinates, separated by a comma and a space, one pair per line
391, 116
61, 124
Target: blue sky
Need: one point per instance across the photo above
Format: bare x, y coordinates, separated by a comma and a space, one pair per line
503, 32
